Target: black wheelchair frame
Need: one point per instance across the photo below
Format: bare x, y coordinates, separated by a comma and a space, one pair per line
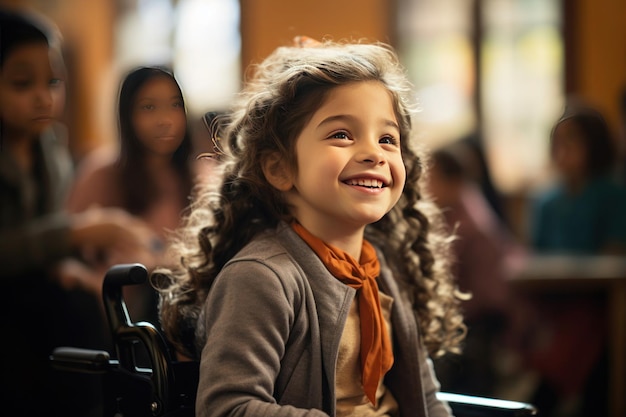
167, 388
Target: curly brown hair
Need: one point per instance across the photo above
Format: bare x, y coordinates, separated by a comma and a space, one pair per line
281, 96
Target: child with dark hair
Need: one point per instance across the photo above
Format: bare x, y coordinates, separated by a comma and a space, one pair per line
583, 214
151, 177
485, 257
47, 305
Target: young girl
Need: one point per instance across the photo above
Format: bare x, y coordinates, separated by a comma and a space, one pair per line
151, 177
325, 279
584, 212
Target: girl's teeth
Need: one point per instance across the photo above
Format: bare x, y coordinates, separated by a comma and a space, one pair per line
367, 183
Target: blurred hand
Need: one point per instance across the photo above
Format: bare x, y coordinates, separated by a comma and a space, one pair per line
123, 237
72, 274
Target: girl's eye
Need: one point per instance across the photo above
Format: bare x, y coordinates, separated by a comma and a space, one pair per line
55, 82
148, 107
21, 84
178, 104
340, 135
390, 140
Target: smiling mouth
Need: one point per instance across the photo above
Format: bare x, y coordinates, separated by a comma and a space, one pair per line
366, 182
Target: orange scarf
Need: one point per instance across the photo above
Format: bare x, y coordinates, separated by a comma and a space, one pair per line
376, 351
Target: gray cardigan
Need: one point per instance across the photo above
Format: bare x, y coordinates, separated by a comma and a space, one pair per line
273, 320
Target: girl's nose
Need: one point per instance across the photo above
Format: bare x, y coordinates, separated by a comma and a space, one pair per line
44, 97
375, 159
165, 118
371, 153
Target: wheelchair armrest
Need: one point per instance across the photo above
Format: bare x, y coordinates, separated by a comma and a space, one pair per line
82, 360
473, 406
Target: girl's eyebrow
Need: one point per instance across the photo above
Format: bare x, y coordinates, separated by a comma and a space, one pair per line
348, 117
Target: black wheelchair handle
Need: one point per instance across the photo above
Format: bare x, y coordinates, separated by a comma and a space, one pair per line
82, 360
125, 274
117, 277
126, 333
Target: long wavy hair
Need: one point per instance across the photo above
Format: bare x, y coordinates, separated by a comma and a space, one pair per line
139, 189
283, 93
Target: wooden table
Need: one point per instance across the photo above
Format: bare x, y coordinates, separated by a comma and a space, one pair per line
566, 274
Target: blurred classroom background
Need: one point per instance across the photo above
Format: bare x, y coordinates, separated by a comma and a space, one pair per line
495, 72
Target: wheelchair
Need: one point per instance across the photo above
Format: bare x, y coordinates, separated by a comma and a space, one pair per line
142, 378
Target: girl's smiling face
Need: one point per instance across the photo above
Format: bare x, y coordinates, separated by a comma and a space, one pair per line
350, 171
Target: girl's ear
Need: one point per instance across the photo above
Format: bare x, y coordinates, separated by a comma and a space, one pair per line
277, 172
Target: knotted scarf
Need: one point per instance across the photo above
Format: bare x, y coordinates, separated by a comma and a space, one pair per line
376, 351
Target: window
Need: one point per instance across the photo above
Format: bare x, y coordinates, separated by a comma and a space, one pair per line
436, 47
522, 87
493, 65
199, 39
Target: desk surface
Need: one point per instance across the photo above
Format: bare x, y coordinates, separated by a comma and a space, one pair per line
568, 268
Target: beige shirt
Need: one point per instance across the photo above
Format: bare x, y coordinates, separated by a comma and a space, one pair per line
351, 398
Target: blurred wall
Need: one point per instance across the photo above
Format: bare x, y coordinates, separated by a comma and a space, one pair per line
270, 23
597, 53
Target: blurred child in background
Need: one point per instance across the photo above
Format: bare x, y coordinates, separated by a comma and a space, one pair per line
51, 295
152, 175
485, 257
582, 214
584, 211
